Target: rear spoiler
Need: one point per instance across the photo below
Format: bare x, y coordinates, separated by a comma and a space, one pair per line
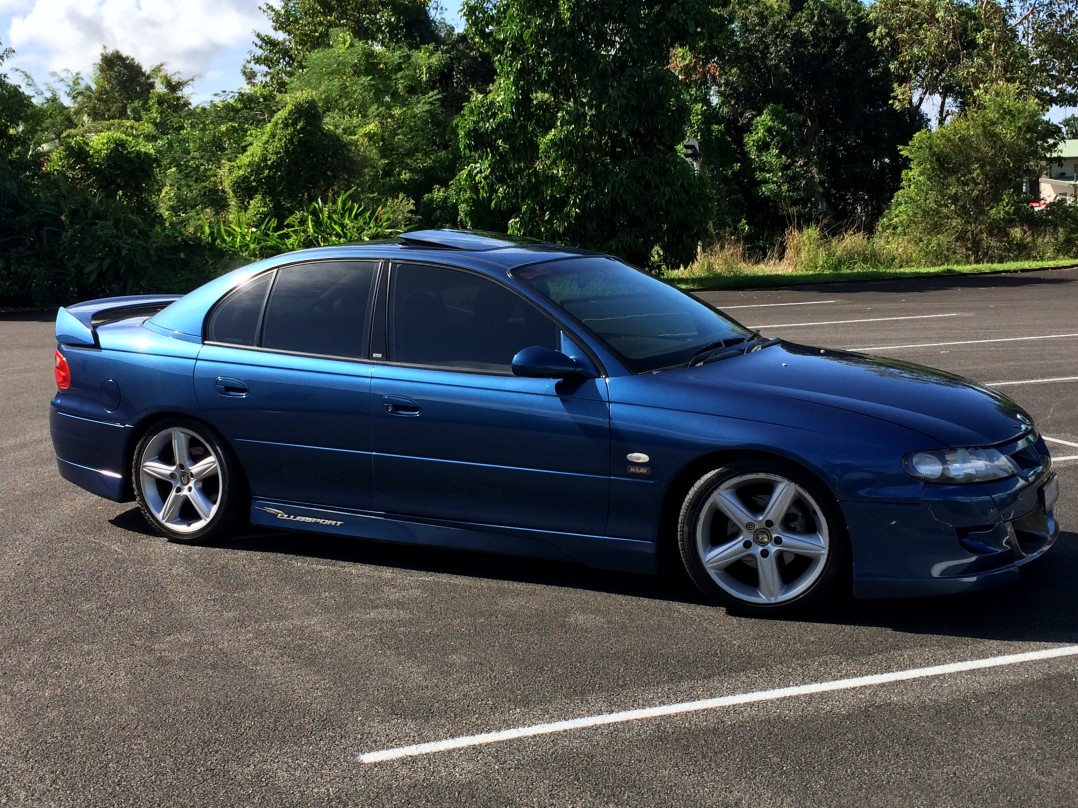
78, 324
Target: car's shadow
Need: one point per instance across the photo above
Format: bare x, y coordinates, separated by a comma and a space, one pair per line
1042, 607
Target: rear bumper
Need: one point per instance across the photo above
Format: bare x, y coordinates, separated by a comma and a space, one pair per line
949, 545
91, 454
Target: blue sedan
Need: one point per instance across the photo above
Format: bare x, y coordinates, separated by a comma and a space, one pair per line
464, 390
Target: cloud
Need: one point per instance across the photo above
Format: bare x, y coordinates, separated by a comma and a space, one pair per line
206, 38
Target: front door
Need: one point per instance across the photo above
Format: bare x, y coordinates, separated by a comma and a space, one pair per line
457, 436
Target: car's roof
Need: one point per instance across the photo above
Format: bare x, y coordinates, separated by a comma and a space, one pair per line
460, 247
485, 252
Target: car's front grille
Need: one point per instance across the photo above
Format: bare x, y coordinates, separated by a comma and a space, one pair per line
1031, 533
1027, 454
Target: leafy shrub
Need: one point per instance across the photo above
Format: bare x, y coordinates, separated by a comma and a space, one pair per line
294, 158
338, 220
1055, 231
960, 197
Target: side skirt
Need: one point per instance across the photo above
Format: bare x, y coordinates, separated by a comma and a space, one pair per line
604, 552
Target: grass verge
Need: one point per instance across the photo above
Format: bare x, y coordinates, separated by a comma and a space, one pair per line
766, 275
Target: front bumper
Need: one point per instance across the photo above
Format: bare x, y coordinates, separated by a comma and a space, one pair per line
957, 539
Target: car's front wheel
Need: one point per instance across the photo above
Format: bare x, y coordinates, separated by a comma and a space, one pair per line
184, 482
762, 537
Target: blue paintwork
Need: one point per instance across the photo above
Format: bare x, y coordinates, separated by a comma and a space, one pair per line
537, 466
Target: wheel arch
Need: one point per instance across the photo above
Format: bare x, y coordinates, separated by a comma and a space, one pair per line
151, 420
687, 477
835, 578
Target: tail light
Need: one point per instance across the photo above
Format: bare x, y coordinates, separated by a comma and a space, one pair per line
62, 371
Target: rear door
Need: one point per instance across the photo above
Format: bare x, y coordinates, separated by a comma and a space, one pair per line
282, 376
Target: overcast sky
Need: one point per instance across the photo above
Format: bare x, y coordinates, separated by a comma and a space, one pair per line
208, 39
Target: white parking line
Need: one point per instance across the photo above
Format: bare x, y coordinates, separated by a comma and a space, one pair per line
1035, 381
1061, 443
963, 342
868, 320
771, 305
626, 716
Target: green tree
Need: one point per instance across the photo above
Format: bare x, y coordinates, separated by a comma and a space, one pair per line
196, 145
118, 87
109, 165
949, 50
1070, 126
804, 95
294, 160
304, 26
579, 138
16, 109
783, 162
385, 104
927, 42
105, 221
20, 200
962, 194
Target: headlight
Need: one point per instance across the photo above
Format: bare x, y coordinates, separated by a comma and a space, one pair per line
959, 465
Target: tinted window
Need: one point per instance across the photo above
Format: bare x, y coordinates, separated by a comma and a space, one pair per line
235, 320
445, 317
646, 322
320, 308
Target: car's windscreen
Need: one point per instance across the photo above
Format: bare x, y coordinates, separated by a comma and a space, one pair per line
648, 324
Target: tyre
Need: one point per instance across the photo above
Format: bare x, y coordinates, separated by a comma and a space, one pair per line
184, 482
762, 538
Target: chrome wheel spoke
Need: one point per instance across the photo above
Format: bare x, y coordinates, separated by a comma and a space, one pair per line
202, 503
207, 467
782, 497
812, 545
787, 537
719, 558
159, 470
771, 584
181, 447
171, 507
181, 480
730, 506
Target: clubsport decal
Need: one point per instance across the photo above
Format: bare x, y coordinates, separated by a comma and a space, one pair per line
309, 520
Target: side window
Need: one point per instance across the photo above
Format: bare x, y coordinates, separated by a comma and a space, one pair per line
235, 320
320, 308
449, 318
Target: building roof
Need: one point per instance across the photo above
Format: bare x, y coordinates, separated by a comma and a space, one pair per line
1067, 150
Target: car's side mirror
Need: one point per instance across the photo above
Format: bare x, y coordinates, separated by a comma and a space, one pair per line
537, 362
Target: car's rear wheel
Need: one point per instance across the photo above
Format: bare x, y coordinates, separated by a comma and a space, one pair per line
184, 483
762, 538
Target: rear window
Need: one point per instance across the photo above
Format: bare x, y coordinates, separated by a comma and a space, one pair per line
236, 318
315, 308
320, 308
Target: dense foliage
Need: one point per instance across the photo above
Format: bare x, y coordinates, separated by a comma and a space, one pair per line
578, 138
904, 130
959, 197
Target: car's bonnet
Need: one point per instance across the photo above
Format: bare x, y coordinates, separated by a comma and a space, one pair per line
948, 409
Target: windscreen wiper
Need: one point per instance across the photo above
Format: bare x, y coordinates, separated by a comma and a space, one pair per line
758, 341
714, 349
732, 346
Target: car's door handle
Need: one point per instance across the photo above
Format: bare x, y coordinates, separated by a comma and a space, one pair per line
399, 405
233, 388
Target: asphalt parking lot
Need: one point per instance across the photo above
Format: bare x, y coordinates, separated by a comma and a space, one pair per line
291, 670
